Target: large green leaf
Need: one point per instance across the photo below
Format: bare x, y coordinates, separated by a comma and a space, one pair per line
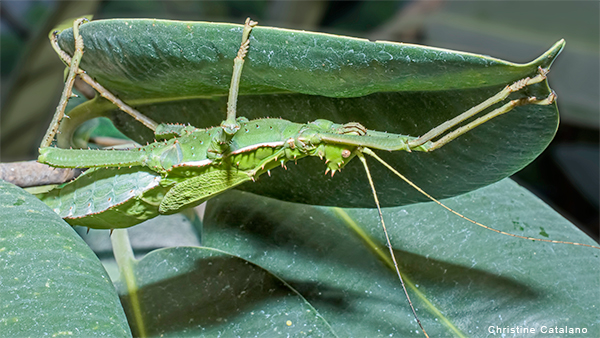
153, 59
51, 283
180, 72
462, 287
462, 279
202, 292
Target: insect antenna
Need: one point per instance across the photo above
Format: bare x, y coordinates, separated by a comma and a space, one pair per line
371, 153
387, 238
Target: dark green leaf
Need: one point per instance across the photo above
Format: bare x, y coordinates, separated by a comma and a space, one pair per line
51, 283
202, 292
162, 59
180, 72
467, 278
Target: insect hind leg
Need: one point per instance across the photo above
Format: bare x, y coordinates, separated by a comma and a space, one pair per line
73, 63
68, 89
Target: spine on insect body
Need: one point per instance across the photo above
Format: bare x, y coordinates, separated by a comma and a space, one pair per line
85, 158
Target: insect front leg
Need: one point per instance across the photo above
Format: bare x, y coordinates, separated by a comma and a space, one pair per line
496, 112
499, 97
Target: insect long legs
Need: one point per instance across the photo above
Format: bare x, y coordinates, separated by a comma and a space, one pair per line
371, 153
230, 125
354, 131
500, 96
68, 89
74, 70
389, 242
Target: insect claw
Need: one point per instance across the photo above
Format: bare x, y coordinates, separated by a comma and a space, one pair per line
269, 172
263, 166
88, 231
326, 171
332, 173
253, 180
111, 231
326, 161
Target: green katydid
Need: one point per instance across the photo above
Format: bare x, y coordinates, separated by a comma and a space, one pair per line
225, 158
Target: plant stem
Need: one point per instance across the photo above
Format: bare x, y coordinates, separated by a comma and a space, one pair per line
126, 261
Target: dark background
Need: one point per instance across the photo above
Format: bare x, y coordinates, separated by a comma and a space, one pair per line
566, 176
